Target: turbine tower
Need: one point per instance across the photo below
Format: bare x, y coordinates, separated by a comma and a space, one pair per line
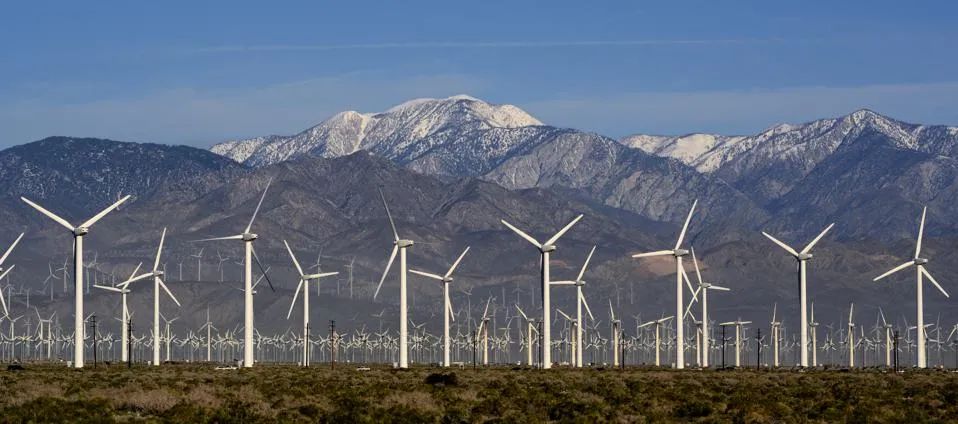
304, 280
250, 255
579, 302
447, 314
703, 287
802, 257
678, 253
919, 263
78, 232
544, 250
400, 246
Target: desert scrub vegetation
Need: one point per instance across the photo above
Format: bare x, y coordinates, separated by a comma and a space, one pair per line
197, 394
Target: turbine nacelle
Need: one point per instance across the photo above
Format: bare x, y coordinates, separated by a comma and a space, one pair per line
921, 261
403, 243
803, 256
158, 273
249, 236
547, 248
679, 252
81, 231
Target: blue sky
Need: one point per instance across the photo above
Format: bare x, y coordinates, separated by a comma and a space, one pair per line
201, 72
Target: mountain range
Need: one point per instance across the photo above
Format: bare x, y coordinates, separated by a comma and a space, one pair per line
451, 168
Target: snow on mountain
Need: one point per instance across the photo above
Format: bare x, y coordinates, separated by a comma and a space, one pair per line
809, 142
401, 133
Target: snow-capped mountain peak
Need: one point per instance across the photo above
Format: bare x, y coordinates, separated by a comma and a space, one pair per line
402, 131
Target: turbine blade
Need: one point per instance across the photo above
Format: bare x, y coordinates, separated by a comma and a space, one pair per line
685, 227
651, 254
168, 292
388, 214
134, 279
392, 256
426, 274
522, 313
452, 315
585, 264
688, 309
456, 263
698, 273
586, 304
299, 269
808, 248
486, 311
49, 214
103, 213
894, 270
295, 296
10, 249
132, 274
159, 251
611, 311
520, 233
882, 314
555, 238
113, 289
781, 244
719, 288
933, 281
320, 275
236, 237
688, 283
256, 211
3, 302
262, 269
563, 314
921, 231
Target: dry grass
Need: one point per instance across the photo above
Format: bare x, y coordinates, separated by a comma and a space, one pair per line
193, 393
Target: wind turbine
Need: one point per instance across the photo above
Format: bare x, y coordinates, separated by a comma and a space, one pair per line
802, 257
3, 272
78, 233
158, 283
616, 330
544, 250
247, 237
447, 314
579, 302
678, 253
658, 341
530, 327
400, 246
304, 280
703, 287
919, 263
851, 337
125, 312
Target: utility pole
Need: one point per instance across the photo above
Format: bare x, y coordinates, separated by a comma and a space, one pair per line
723, 346
332, 344
93, 326
129, 343
896, 351
758, 342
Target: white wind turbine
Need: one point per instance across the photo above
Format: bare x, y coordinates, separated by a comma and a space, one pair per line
851, 336
802, 257
919, 263
530, 342
304, 280
580, 301
703, 287
678, 253
125, 312
658, 341
250, 255
78, 233
544, 250
616, 330
4, 271
447, 314
738, 338
158, 284
400, 246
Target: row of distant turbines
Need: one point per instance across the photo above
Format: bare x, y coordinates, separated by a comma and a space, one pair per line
539, 348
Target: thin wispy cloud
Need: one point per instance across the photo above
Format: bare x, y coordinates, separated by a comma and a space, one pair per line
477, 45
